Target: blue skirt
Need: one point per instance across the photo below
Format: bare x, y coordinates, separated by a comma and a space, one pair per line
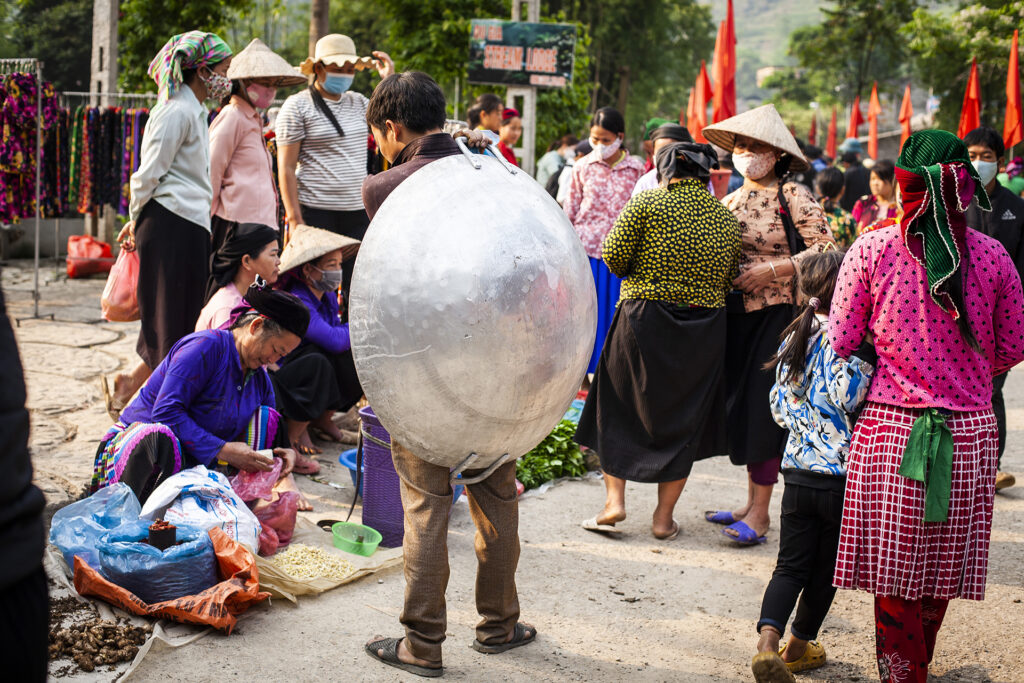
607, 298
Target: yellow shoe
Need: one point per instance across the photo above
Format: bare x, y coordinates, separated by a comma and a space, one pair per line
1004, 480
813, 657
768, 667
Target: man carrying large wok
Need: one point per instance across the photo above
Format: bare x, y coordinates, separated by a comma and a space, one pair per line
406, 115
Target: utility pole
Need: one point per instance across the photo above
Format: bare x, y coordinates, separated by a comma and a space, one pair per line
103, 79
319, 22
527, 149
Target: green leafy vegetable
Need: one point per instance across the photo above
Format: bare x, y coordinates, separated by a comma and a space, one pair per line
556, 456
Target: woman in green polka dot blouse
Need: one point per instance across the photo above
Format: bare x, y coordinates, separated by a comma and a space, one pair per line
657, 402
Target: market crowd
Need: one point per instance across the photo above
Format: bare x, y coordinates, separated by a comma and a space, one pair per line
847, 323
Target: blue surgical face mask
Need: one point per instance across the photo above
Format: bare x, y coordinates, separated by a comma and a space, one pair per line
336, 84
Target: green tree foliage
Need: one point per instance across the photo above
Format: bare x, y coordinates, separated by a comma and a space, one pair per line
943, 45
648, 50
146, 25
58, 32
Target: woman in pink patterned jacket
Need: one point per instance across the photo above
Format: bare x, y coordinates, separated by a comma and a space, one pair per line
944, 305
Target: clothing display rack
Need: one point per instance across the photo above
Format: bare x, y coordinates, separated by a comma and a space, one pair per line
33, 66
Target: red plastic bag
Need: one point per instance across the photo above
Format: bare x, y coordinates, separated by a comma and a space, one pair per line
278, 520
255, 485
87, 256
217, 606
120, 300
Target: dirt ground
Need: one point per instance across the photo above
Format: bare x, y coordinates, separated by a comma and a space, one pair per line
632, 608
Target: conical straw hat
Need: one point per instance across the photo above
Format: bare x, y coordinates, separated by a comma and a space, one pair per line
259, 61
307, 243
762, 124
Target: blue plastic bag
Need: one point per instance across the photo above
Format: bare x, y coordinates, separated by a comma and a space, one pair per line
155, 575
77, 528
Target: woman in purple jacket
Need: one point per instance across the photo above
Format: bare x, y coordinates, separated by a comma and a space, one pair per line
319, 377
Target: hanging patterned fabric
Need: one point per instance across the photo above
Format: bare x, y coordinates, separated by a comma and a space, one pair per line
18, 139
55, 168
75, 173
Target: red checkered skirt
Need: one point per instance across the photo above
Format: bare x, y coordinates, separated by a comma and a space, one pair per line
884, 546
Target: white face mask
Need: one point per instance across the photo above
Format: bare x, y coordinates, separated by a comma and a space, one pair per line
605, 151
569, 155
754, 166
987, 170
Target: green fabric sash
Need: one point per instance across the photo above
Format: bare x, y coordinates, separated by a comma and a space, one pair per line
929, 459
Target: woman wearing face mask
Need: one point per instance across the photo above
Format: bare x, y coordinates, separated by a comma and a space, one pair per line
240, 165
881, 203
321, 142
171, 195
778, 220
319, 377
601, 185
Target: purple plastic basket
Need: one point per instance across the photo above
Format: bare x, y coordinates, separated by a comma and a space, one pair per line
382, 495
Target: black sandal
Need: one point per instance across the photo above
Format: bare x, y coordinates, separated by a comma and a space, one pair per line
519, 638
388, 648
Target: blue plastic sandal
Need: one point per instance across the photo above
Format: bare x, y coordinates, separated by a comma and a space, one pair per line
745, 535
720, 517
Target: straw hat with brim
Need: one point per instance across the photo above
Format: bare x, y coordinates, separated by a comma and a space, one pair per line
307, 243
259, 61
762, 124
338, 50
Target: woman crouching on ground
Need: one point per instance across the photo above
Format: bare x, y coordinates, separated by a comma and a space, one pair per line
198, 406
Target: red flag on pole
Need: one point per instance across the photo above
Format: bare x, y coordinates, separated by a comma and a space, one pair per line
830, 141
812, 134
906, 113
1013, 126
874, 109
724, 69
702, 96
856, 118
970, 112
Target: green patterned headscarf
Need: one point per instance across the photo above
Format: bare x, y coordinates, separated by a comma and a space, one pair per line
185, 51
937, 182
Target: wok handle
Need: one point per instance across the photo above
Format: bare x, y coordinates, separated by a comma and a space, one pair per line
480, 477
468, 154
501, 157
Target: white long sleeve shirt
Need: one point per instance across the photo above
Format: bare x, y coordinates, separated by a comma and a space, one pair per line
175, 160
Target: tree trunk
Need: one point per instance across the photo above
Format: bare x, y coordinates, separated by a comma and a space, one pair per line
319, 25
623, 89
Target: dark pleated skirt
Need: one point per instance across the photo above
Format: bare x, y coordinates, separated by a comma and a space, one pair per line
657, 401
753, 338
174, 264
312, 381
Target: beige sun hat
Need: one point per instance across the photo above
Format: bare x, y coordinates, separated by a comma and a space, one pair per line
762, 124
336, 49
306, 243
259, 61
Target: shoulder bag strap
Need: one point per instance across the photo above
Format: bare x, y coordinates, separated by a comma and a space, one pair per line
318, 102
793, 238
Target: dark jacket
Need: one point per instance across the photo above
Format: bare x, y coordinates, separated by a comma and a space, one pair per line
855, 185
412, 158
21, 503
1005, 223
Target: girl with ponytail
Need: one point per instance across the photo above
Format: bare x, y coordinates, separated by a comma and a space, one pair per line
816, 397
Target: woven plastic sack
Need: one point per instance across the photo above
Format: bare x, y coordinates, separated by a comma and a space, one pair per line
120, 299
203, 498
156, 575
77, 528
217, 606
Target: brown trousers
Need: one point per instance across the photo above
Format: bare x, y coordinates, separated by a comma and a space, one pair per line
494, 506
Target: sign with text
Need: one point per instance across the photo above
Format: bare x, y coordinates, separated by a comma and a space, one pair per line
521, 53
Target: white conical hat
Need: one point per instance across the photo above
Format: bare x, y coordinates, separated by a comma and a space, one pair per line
259, 61
306, 243
762, 124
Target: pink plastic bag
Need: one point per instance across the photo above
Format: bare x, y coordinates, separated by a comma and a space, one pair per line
255, 485
278, 520
120, 302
